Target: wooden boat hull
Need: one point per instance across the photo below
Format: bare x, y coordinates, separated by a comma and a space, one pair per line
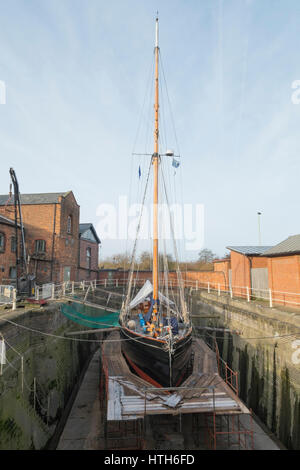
151, 361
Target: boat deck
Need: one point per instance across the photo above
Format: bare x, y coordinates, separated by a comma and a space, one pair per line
130, 397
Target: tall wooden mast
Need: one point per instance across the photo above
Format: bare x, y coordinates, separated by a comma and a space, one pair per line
155, 162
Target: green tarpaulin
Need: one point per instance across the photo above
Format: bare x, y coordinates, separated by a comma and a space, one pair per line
89, 316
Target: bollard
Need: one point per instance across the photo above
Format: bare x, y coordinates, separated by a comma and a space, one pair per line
14, 299
53, 292
37, 293
219, 290
208, 287
117, 283
270, 298
231, 293
248, 296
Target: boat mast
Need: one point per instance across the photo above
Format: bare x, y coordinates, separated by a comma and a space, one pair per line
155, 161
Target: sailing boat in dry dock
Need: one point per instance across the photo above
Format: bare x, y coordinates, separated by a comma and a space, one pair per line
157, 339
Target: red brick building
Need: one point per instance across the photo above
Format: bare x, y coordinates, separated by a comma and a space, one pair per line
284, 270
7, 249
223, 266
249, 268
88, 253
51, 223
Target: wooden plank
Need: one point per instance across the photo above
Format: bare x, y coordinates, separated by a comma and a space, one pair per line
129, 389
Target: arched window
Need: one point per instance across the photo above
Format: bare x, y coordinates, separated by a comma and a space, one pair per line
2, 242
88, 258
69, 224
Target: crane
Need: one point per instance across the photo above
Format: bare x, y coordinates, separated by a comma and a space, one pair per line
21, 258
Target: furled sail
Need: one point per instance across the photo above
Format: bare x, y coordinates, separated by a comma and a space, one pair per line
145, 292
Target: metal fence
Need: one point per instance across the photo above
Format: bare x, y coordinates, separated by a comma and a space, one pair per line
52, 291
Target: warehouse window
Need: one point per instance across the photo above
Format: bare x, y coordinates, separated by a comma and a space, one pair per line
88, 258
13, 245
2, 242
12, 272
40, 246
69, 224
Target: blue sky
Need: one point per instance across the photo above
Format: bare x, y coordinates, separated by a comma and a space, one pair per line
76, 73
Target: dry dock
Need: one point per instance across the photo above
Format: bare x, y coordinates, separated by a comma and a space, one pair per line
124, 412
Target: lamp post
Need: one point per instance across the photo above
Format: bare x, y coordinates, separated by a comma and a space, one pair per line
259, 233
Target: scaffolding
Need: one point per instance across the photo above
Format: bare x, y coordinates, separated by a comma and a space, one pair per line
219, 419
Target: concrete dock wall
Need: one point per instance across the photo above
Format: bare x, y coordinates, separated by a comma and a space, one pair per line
52, 365
269, 368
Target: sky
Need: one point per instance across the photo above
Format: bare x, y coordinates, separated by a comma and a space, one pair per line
75, 75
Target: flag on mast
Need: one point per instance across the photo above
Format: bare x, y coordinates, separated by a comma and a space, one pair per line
175, 163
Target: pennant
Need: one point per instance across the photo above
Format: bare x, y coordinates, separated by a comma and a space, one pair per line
175, 163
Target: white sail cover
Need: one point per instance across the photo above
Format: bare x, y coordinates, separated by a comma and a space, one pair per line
145, 292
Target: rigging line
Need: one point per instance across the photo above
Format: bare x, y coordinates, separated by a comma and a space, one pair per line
135, 246
10, 365
69, 338
148, 125
97, 297
149, 121
257, 337
17, 352
150, 73
140, 340
169, 102
179, 276
177, 143
162, 116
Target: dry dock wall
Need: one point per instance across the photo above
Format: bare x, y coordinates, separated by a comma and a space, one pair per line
52, 364
269, 368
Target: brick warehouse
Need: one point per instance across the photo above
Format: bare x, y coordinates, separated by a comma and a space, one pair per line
284, 269
88, 253
249, 268
51, 223
7, 248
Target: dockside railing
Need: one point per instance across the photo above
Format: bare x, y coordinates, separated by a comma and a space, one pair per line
56, 291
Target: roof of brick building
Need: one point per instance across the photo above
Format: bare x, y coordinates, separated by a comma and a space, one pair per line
41, 198
249, 250
85, 227
6, 221
289, 246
